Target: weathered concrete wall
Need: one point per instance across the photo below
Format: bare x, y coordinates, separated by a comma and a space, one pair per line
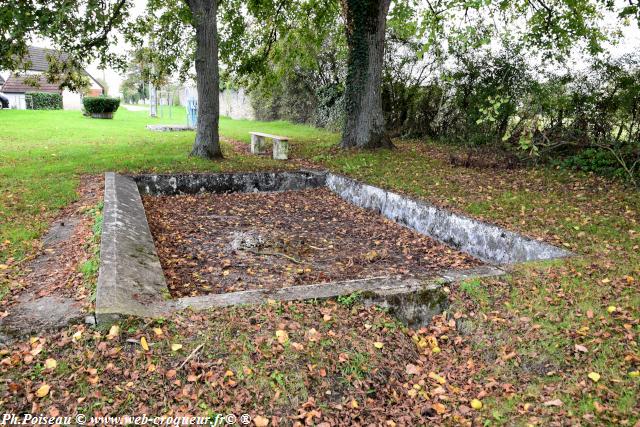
167, 185
236, 104
412, 300
130, 280
169, 128
484, 241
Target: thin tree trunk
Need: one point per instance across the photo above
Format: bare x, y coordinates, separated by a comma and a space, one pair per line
207, 143
365, 25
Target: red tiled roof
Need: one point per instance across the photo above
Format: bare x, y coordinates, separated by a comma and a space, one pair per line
17, 84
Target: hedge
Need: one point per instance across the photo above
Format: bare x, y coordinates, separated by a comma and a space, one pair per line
100, 104
45, 101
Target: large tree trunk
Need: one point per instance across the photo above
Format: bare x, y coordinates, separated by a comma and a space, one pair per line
207, 142
366, 23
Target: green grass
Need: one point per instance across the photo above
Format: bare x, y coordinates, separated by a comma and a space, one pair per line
539, 312
43, 153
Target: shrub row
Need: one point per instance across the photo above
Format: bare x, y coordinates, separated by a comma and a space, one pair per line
45, 101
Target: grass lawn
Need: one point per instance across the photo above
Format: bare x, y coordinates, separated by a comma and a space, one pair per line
553, 343
42, 154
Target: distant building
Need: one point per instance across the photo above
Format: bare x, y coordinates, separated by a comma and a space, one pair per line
233, 103
16, 86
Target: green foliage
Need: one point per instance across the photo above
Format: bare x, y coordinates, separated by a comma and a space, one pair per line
349, 300
81, 29
100, 104
45, 101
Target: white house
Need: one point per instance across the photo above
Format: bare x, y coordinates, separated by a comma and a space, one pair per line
16, 86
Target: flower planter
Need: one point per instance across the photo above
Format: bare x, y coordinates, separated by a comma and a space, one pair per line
102, 115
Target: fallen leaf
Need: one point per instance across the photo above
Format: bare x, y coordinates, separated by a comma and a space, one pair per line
437, 378
50, 364
260, 421
555, 402
43, 390
114, 331
176, 347
158, 332
412, 369
594, 376
476, 404
439, 408
581, 348
282, 336
378, 344
611, 308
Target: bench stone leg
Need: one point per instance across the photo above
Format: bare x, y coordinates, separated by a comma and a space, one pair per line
280, 149
257, 144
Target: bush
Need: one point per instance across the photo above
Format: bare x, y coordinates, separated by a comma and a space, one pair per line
45, 101
100, 104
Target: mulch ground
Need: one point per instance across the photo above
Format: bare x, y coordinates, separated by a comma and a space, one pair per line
216, 243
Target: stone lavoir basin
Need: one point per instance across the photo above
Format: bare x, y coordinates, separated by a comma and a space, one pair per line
212, 240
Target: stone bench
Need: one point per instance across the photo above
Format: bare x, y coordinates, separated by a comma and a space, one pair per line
280, 145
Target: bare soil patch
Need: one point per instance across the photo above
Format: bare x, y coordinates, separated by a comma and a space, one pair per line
216, 243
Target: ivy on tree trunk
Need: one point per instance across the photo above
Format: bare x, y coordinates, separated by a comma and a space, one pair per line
365, 27
207, 143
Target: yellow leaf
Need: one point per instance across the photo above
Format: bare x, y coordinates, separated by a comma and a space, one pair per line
437, 378
282, 336
326, 317
378, 344
143, 343
634, 374
611, 308
176, 347
158, 332
77, 336
435, 350
50, 363
594, 376
354, 404
114, 331
43, 390
476, 404
3, 266
260, 421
